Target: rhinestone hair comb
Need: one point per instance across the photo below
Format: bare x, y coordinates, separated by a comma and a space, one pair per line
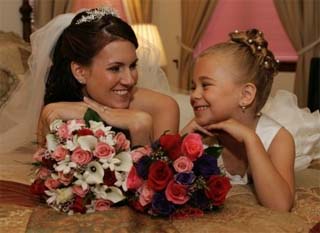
96, 14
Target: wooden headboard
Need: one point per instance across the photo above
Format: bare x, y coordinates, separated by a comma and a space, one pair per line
26, 11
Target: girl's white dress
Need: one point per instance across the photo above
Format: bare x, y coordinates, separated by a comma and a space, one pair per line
266, 129
282, 111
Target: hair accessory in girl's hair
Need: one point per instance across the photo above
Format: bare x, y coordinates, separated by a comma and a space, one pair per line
236, 31
96, 14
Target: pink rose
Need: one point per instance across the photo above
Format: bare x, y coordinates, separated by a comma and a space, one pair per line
99, 133
81, 157
43, 173
77, 189
146, 195
102, 205
103, 150
192, 146
65, 178
183, 164
39, 154
133, 180
122, 143
63, 131
177, 193
140, 152
51, 183
59, 153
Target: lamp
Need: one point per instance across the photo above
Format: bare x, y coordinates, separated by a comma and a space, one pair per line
150, 33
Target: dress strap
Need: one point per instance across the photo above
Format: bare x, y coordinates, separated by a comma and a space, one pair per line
266, 129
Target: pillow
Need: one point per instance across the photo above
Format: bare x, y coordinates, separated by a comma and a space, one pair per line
8, 83
14, 54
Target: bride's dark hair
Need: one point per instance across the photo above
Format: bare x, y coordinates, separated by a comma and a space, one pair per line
79, 43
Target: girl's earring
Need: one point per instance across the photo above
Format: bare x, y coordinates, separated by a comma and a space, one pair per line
243, 108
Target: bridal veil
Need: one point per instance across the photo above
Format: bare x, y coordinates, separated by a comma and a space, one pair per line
19, 116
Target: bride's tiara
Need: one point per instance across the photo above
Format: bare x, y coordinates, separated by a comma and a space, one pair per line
96, 14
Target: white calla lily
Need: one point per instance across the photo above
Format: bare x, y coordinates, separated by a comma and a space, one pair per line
51, 142
81, 181
94, 173
126, 162
113, 194
88, 142
121, 180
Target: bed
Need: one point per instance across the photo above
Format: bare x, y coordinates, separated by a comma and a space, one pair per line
22, 212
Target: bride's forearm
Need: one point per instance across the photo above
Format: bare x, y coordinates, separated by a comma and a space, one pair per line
141, 131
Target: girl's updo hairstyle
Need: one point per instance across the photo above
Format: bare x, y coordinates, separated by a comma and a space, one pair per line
250, 51
89, 32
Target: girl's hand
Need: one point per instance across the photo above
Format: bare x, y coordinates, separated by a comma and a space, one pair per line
238, 131
138, 123
193, 126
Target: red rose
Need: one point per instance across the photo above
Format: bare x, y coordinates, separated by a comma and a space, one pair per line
171, 143
159, 175
84, 132
137, 206
177, 193
78, 205
218, 187
38, 187
134, 181
109, 177
192, 146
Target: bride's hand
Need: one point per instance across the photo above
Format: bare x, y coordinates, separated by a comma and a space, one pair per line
138, 123
58, 110
63, 111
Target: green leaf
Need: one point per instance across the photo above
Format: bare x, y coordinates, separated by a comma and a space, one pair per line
91, 115
214, 151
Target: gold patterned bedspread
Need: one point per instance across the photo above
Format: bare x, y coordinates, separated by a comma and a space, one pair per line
22, 212
241, 213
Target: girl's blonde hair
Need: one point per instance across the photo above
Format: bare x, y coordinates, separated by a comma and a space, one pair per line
249, 50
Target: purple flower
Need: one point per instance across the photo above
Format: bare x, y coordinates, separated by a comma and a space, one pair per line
206, 166
161, 206
199, 200
155, 145
143, 166
186, 178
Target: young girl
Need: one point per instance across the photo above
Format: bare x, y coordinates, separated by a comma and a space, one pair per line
231, 83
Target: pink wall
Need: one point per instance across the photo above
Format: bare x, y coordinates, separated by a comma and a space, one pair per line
230, 15
116, 4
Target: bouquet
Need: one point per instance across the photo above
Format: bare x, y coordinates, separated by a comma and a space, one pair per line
177, 177
84, 166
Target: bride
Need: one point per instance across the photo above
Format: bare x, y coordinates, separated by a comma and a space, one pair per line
94, 57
